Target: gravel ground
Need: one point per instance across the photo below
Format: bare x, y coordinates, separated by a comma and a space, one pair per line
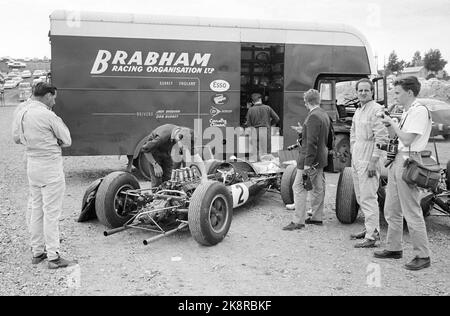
255, 258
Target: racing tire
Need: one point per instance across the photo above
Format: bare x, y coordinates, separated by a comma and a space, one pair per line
287, 180
88, 202
346, 204
210, 213
109, 201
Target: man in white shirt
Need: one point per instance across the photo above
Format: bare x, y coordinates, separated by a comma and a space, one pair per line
403, 200
43, 133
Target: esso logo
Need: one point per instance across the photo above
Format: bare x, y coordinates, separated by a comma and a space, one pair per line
219, 86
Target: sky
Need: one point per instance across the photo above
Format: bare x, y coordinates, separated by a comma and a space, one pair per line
405, 26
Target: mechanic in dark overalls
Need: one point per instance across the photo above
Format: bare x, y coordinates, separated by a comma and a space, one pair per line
158, 150
261, 117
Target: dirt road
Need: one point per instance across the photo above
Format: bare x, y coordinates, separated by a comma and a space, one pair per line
256, 257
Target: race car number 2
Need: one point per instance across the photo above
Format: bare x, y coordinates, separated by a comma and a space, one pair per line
240, 194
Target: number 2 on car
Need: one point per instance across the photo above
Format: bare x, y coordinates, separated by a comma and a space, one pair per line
240, 194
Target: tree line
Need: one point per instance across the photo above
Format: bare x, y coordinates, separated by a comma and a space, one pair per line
432, 62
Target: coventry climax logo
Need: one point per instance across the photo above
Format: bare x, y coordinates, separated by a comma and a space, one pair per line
166, 62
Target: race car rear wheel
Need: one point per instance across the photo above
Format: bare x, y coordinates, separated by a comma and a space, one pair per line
112, 206
287, 180
210, 213
346, 205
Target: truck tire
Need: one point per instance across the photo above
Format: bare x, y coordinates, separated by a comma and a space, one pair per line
109, 201
287, 180
342, 157
210, 213
346, 205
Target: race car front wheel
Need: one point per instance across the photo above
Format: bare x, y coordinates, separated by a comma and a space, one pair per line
112, 205
210, 213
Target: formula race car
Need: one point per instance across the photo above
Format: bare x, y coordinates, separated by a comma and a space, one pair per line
433, 202
204, 204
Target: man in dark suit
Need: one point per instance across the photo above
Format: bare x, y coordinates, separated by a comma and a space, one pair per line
312, 159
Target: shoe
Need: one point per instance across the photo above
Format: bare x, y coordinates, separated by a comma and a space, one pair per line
60, 263
310, 221
386, 254
418, 264
360, 235
366, 243
39, 259
290, 207
292, 226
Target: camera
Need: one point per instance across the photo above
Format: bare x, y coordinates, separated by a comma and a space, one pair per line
391, 148
383, 114
297, 144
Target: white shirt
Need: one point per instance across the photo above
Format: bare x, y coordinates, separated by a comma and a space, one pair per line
40, 129
416, 120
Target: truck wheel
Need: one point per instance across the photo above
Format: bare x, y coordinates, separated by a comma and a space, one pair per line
287, 180
346, 205
112, 207
343, 156
210, 213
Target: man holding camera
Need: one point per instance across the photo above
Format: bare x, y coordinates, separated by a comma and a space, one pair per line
312, 159
403, 200
366, 132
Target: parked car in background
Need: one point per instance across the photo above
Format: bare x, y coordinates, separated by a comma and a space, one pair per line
17, 64
18, 79
43, 78
38, 72
10, 84
26, 74
24, 91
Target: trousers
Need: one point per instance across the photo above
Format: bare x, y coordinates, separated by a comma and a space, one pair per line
366, 195
317, 196
47, 187
403, 200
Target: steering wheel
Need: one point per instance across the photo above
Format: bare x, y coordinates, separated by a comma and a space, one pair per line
225, 173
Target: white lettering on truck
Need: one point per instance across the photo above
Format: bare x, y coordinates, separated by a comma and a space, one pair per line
166, 62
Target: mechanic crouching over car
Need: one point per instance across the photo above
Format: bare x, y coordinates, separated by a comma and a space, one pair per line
158, 150
402, 199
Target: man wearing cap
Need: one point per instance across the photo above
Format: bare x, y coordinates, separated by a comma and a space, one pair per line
158, 150
261, 117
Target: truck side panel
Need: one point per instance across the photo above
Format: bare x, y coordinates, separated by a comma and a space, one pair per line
112, 92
